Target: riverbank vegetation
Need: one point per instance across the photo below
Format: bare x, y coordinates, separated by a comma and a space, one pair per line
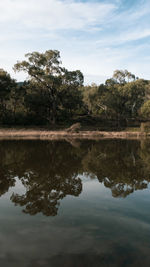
53, 95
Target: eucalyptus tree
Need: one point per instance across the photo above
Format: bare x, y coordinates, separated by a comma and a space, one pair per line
7, 84
123, 76
48, 77
145, 110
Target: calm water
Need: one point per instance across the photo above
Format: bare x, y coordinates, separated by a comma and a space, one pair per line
74, 204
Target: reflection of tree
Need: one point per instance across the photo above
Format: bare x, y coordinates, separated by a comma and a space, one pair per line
145, 154
7, 179
43, 196
49, 177
49, 170
118, 165
123, 189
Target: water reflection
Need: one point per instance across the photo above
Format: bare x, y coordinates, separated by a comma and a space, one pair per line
49, 171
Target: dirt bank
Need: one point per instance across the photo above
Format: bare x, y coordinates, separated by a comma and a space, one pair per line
56, 135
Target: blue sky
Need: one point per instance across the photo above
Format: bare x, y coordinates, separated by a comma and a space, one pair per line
96, 37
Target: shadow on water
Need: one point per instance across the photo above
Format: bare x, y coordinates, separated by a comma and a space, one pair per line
49, 171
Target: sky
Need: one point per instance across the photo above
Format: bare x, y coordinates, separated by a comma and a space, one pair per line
96, 37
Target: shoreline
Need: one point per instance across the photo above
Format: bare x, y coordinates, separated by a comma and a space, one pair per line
29, 134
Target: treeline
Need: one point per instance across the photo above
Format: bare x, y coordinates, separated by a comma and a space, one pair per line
53, 95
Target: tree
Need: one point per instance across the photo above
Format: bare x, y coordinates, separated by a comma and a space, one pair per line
48, 76
145, 110
90, 98
7, 84
70, 96
135, 95
122, 100
123, 76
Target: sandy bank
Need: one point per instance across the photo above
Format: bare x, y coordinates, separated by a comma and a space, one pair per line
57, 135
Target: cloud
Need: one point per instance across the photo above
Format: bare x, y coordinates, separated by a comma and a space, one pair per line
124, 37
94, 36
135, 35
54, 14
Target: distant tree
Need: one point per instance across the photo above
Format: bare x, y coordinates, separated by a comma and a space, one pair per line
90, 99
47, 75
122, 101
7, 84
110, 82
123, 76
135, 95
70, 97
145, 110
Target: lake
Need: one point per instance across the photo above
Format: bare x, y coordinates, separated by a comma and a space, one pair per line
74, 203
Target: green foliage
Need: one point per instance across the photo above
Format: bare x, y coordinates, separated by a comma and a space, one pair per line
115, 100
52, 94
145, 110
52, 88
123, 76
7, 86
91, 99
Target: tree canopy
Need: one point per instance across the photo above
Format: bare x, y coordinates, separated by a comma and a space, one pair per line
50, 81
54, 95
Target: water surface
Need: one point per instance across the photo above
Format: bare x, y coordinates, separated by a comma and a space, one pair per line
74, 203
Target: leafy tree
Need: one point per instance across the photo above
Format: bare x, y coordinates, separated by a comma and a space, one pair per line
122, 101
119, 98
135, 95
123, 76
70, 96
47, 75
7, 84
90, 99
145, 110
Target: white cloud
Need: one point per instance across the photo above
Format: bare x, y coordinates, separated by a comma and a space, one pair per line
124, 37
135, 35
96, 37
54, 14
